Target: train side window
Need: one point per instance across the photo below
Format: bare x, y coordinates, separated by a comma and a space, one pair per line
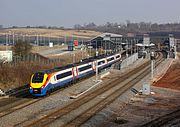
85, 68
101, 62
118, 56
110, 59
63, 75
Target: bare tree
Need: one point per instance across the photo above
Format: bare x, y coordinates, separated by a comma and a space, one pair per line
21, 48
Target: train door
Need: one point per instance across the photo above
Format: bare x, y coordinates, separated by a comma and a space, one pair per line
94, 66
75, 73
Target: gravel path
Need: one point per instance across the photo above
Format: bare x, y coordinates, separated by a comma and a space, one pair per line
133, 110
46, 105
51, 103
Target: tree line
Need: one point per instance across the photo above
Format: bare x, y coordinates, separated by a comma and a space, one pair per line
130, 27
119, 28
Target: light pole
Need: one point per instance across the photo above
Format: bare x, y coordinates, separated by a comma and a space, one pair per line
65, 39
96, 49
13, 38
82, 49
6, 41
90, 48
9, 37
96, 63
126, 48
152, 64
131, 47
105, 48
23, 37
37, 39
175, 49
74, 58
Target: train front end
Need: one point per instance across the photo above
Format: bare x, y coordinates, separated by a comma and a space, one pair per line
39, 84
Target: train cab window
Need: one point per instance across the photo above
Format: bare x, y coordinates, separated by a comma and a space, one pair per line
101, 62
110, 59
85, 68
38, 77
63, 75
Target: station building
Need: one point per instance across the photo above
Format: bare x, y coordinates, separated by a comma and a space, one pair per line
114, 42
107, 41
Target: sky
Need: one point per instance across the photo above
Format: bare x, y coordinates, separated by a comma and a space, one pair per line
67, 13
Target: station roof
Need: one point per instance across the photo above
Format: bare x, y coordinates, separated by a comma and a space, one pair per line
110, 34
104, 35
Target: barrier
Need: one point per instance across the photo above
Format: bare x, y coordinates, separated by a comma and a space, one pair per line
126, 62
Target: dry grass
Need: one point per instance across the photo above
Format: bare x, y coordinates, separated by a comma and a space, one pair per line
38, 49
14, 76
35, 49
53, 33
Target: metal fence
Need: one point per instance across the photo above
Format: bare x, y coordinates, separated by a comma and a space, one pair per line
33, 57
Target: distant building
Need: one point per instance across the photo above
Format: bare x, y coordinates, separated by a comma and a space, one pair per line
5, 56
130, 35
107, 41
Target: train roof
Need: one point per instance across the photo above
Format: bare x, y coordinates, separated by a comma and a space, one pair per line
90, 59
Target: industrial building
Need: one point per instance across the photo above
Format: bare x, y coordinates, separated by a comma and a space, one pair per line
107, 41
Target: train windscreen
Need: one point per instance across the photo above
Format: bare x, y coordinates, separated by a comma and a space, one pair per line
38, 77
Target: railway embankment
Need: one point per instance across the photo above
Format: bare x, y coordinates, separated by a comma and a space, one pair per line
51, 103
142, 110
130, 109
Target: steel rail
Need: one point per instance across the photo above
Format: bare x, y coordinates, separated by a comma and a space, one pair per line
163, 120
86, 115
68, 108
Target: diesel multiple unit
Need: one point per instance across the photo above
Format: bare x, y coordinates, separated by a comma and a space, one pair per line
43, 82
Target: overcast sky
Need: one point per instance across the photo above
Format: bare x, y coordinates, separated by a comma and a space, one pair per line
69, 12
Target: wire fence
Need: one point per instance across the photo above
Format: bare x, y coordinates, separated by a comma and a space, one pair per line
32, 58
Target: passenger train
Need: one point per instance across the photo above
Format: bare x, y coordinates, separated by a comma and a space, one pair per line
43, 82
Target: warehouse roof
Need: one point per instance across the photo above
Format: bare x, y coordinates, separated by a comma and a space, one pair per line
110, 34
104, 35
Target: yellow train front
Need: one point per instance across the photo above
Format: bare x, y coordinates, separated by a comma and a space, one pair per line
39, 84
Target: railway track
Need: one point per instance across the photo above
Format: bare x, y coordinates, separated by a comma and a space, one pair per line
15, 98
18, 99
164, 120
79, 111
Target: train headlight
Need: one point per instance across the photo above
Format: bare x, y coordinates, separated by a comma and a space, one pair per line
42, 87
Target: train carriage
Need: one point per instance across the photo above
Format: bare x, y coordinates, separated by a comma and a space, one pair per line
43, 82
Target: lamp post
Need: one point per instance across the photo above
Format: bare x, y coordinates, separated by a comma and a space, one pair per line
74, 58
82, 49
131, 47
105, 48
23, 36
126, 48
152, 64
175, 50
9, 37
6, 41
13, 38
96, 63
